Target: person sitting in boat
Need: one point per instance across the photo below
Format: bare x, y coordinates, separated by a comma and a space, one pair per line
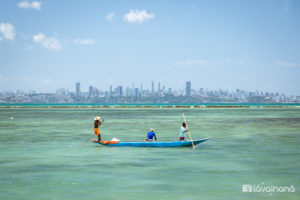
183, 130
150, 135
97, 123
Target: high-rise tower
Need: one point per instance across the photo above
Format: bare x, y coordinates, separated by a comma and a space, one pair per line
77, 89
188, 89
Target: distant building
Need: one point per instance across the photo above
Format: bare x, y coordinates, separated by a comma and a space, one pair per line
132, 89
91, 91
61, 92
188, 89
136, 92
110, 91
119, 91
128, 91
96, 92
152, 89
77, 89
158, 88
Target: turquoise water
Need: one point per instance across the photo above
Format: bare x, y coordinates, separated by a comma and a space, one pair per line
36, 105
41, 156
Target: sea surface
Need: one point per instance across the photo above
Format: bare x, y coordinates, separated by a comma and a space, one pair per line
42, 157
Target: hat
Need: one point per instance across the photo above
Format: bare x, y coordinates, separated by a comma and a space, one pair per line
151, 129
97, 118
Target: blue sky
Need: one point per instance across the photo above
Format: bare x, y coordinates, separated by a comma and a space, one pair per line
252, 45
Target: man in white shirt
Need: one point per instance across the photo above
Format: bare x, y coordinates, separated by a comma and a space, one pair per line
182, 132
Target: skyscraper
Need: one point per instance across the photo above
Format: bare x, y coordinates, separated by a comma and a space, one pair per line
188, 89
136, 92
119, 90
96, 92
91, 91
158, 88
110, 91
152, 90
141, 89
77, 89
132, 89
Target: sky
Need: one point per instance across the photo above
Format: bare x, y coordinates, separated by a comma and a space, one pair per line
51, 44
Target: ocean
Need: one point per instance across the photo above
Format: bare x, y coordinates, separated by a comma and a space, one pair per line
42, 157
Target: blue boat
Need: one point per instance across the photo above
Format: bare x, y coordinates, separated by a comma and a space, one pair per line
150, 144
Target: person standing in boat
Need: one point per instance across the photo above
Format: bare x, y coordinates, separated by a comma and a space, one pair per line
97, 123
150, 135
183, 130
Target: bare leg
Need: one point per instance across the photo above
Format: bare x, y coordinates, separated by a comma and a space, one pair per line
99, 137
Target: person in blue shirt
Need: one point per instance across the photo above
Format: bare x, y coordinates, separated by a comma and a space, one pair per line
150, 135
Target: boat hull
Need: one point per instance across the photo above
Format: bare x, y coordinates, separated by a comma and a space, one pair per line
154, 144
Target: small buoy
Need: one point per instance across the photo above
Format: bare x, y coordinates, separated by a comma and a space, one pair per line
11, 118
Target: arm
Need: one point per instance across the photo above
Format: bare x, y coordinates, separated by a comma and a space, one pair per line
100, 123
155, 137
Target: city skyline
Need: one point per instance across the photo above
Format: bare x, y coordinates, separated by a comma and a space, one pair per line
251, 45
185, 90
140, 95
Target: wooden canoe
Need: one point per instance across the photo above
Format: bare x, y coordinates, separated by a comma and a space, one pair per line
150, 144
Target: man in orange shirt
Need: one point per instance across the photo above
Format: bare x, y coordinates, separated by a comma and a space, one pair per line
97, 123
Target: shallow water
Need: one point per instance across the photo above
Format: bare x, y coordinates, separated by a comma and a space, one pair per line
41, 156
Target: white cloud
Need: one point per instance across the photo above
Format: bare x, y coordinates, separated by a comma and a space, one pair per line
33, 5
191, 62
47, 80
47, 42
84, 41
110, 16
136, 16
29, 47
205, 62
287, 64
7, 31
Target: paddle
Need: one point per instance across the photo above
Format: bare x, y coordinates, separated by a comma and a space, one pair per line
87, 140
188, 130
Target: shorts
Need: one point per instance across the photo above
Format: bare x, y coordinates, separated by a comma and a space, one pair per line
97, 131
181, 138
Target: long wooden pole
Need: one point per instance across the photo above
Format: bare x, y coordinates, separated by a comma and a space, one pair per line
87, 140
188, 130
